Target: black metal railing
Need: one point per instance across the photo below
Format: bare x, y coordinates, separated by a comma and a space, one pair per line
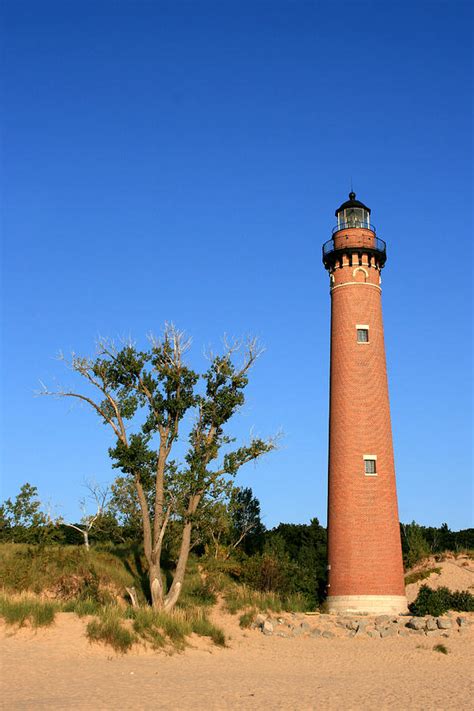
358, 224
376, 245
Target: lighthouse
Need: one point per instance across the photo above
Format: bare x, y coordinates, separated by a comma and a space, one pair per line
365, 569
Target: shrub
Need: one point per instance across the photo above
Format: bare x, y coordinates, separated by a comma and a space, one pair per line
246, 620
110, 630
82, 607
239, 597
420, 575
440, 648
158, 628
18, 612
437, 602
204, 627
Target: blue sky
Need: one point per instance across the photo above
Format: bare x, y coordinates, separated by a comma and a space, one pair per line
182, 162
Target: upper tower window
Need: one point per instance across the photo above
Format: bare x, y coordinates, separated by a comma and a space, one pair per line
353, 213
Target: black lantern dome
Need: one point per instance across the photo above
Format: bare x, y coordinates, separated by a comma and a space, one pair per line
353, 213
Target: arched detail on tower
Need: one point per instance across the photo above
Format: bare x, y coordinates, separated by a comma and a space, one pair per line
360, 274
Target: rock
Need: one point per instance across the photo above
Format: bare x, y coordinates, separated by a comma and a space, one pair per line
328, 634
382, 620
361, 628
388, 632
462, 622
282, 634
280, 620
416, 623
375, 634
267, 627
297, 631
259, 620
352, 625
316, 633
431, 624
432, 633
444, 623
305, 626
403, 633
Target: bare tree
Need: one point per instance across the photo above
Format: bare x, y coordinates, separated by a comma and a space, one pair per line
100, 496
124, 384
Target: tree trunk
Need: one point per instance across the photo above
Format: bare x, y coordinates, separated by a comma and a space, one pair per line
175, 589
156, 586
86, 539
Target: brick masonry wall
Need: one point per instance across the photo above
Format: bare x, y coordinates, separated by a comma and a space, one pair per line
364, 549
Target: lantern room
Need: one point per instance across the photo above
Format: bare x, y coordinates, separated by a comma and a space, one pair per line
353, 213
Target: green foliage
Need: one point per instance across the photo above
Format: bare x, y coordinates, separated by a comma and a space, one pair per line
247, 618
160, 629
418, 542
293, 562
440, 648
203, 627
22, 520
69, 572
420, 575
109, 629
437, 602
24, 609
414, 544
83, 607
144, 396
241, 597
197, 590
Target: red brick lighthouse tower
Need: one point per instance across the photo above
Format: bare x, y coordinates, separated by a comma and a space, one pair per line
364, 548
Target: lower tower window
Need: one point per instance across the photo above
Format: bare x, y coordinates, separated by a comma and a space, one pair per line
362, 334
370, 464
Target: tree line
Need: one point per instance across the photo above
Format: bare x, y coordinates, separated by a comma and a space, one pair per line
177, 460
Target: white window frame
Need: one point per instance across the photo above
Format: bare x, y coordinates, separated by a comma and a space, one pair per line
363, 327
371, 458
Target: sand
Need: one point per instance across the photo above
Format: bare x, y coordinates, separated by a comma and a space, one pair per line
57, 668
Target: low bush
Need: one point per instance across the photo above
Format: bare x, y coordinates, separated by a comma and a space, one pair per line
420, 575
440, 648
68, 572
109, 629
22, 610
239, 597
437, 602
160, 628
82, 608
246, 620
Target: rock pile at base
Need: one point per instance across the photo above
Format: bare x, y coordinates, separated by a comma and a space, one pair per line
381, 627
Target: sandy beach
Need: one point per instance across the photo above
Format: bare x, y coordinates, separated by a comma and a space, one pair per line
57, 668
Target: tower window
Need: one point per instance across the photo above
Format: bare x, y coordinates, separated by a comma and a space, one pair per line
370, 464
362, 334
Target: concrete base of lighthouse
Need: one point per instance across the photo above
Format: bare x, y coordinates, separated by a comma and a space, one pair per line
367, 604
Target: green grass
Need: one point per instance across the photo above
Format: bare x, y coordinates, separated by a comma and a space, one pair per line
199, 589
69, 572
246, 620
203, 627
109, 629
161, 629
440, 648
240, 597
23, 610
82, 608
420, 575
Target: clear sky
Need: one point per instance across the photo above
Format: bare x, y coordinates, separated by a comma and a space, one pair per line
172, 161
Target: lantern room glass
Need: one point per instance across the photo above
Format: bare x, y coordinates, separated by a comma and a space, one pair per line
353, 217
